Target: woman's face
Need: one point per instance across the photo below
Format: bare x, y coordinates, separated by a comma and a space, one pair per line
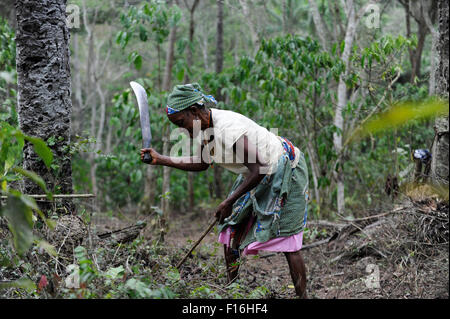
185, 119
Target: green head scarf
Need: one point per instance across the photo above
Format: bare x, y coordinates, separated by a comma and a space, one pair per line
184, 96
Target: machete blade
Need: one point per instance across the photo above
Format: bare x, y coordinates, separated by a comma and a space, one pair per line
141, 97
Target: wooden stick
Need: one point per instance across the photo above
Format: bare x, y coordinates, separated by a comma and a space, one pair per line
197, 242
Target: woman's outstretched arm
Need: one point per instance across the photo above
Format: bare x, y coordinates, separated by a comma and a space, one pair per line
186, 163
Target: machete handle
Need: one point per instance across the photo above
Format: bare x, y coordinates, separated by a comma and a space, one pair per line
147, 158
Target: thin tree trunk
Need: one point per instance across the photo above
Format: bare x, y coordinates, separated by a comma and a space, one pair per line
337, 31
319, 23
77, 80
434, 62
251, 25
101, 124
149, 184
89, 83
219, 65
189, 55
166, 134
314, 171
169, 59
44, 86
439, 162
219, 43
434, 57
352, 22
189, 52
166, 176
417, 57
284, 15
412, 9
205, 53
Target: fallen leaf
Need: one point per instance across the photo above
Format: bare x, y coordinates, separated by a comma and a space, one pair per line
42, 283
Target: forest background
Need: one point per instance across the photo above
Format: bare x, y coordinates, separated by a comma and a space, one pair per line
316, 70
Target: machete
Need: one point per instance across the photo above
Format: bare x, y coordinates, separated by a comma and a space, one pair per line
141, 97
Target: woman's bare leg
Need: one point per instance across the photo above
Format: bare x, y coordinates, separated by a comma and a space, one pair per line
298, 272
232, 253
231, 262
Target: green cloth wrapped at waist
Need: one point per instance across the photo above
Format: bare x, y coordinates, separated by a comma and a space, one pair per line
279, 203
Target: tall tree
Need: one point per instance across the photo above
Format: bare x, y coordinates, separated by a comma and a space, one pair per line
219, 67
429, 18
353, 17
44, 103
321, 28
166, 85
246, 11
352, 21
439, 163
189, 56
419, 12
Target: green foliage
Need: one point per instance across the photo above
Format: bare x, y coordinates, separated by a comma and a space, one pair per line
8, 74
41, 149
287, 86
19, 207
22, 283
204, 292
121, 171
87, 271
290, 84
20, 222
259, 293
404, 113
138, 289
7, 47
154, 19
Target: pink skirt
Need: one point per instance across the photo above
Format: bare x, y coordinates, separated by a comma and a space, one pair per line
280, 244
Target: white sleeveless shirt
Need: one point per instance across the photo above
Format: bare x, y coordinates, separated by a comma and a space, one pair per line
228, 127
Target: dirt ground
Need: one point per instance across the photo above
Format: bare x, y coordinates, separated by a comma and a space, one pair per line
396, 253
401, 254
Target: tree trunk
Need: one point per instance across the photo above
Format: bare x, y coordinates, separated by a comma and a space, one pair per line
253, 30
417, 56
341, 103
189, 55
166, 135
415, 9
165, 187
353, 18
428, 18
88, 91
44, 102
314, 171
190, 46
219, 65
319, 23
89, 74
439, 162
434, 63
203, 42
219, 43
77, 81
